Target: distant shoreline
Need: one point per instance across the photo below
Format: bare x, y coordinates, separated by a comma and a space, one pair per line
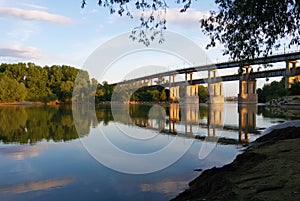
28, 103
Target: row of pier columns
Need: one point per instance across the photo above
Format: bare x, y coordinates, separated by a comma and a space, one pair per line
247, 85
189, 115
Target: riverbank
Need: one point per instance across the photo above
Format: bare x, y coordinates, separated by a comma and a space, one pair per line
268, 170
29, 103
23, 103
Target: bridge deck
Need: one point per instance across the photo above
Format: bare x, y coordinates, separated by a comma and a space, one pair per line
223, 65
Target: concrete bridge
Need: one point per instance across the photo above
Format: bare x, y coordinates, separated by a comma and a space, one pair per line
246, 77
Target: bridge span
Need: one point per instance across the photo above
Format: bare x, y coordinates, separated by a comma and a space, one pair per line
246, 76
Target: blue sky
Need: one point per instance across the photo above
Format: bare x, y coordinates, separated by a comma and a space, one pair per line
60, 32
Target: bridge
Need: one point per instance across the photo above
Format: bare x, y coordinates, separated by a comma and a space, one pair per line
246, 77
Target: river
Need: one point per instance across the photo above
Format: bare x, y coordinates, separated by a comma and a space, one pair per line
65, 153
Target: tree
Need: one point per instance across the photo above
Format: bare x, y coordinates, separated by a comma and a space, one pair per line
273, 90
55, 77
202, 93
11, 90
15, 71
246, 28
163, 95
249, 28
295, 88
36, 82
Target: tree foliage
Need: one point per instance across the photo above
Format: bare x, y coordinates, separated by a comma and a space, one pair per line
202, 93
152, 16
295, 88
246, 28
249, 28
273, 90
30, 82
11, 90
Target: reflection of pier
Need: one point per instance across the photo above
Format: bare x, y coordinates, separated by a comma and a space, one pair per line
184, 120
215, 119
247, 120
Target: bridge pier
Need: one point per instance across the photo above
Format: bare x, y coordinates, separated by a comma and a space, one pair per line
291, 77
247, 88
191, 90
215, 90
174, 90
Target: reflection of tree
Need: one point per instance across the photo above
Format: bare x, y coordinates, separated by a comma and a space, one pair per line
277, 112
13, 123
24, 124
103, 113
32, 124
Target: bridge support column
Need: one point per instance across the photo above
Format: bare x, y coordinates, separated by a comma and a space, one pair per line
215, 90
191, 90
247, 88
174, 90
290, 77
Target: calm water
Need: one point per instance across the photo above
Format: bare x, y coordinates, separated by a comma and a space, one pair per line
44, 155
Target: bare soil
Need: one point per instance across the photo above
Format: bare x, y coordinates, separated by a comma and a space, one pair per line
268, 170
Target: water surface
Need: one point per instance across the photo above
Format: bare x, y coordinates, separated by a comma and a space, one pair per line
43, 156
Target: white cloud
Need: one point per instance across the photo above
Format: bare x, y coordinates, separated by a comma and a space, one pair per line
34, 15
21, 52
188, 19
34, 6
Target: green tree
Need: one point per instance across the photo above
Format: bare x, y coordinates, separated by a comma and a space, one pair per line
66, 89
295, 88
81, 88
14, 71
11, 90
36, 82
202, 93
163, 95
55, 77
273, 90
155, 95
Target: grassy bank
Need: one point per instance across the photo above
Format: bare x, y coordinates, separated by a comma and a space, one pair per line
268, 170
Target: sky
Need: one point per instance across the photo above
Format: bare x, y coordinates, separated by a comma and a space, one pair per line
59, 32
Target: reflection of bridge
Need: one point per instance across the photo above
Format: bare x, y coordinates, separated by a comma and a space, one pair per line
186, 118
247, 78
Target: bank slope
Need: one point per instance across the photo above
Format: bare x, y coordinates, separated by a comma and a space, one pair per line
268, 170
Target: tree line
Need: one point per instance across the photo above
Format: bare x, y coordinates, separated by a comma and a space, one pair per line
30, 82
66, 84
277, 89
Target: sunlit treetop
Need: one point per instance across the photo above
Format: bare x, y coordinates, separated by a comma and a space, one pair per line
246, 28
